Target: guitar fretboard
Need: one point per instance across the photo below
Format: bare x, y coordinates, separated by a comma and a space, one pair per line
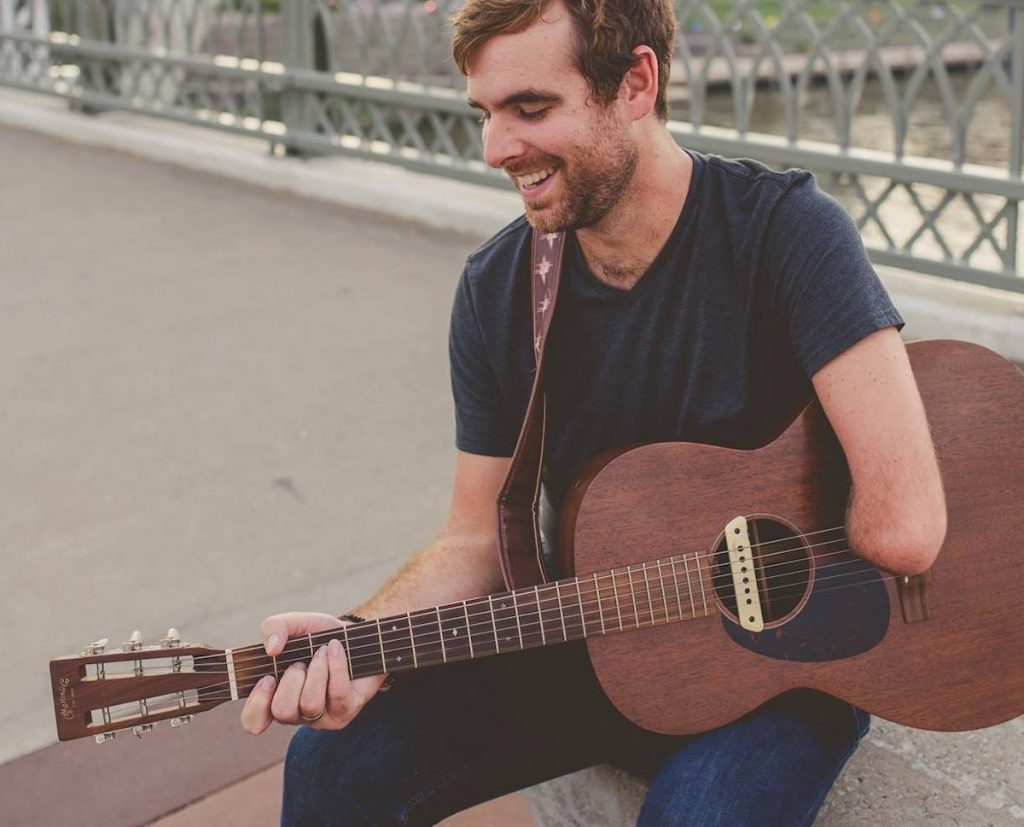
634, 597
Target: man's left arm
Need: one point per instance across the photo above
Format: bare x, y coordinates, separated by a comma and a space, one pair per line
896, 515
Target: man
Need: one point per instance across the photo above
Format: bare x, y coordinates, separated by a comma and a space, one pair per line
700, 299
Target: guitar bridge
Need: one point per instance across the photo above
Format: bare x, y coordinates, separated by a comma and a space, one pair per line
913, 590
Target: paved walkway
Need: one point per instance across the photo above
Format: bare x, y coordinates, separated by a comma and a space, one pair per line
221, 402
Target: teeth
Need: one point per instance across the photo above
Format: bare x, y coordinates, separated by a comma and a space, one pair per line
533, 178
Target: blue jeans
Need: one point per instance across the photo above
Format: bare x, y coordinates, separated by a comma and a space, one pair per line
445, 739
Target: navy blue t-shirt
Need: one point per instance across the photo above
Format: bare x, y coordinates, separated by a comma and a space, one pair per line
763, 280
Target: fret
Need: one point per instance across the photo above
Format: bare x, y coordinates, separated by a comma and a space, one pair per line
412, 640
540, 617
532, 630
650, 600
664, 595
573, 621
618, 608
366, 652
675, 581
309, 635
469, 631
583, 612
494, 625
689, 587
481, 627
632, 594
396, 638
700, 577
552, 614
505, 622
600, 609
561, 613
426, 635
440, 635
455, 633
348, 651
519, 625
380, 638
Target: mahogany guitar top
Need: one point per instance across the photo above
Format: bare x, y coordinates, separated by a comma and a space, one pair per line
961, 668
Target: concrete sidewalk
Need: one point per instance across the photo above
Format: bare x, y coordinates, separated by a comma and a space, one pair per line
223, 401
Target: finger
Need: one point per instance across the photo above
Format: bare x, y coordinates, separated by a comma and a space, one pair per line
276, 629
256, 712
275, 633
342, 703
313, 698
285, 706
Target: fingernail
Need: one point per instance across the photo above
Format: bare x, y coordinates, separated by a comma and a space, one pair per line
300, 666
321, 652
266, 682
335, 648
272, 642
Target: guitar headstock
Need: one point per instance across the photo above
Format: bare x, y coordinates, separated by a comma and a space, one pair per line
102, 691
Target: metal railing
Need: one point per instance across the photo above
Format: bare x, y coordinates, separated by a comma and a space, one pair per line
910, 112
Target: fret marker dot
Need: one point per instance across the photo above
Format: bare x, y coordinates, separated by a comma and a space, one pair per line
399, 658
394, 628
454, 632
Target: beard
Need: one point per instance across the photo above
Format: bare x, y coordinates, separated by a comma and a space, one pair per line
594, 180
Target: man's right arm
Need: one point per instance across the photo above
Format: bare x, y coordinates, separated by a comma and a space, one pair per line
463, 562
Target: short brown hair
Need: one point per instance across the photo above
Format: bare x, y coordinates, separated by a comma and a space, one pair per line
607, 31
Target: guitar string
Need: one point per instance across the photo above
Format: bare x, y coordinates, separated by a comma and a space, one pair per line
678, 559
604, 580
656, 623
589, 616
662, 582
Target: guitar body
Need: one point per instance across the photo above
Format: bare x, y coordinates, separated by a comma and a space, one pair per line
944, 651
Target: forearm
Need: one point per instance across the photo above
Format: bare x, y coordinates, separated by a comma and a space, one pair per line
449, 570
899, 532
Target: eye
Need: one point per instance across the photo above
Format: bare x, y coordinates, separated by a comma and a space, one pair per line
532, 115
484, 117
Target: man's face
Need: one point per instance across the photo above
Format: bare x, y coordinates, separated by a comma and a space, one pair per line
569, 158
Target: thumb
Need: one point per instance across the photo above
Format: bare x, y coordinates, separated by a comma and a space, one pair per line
276, 629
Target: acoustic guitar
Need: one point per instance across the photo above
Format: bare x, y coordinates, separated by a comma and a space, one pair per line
705, 582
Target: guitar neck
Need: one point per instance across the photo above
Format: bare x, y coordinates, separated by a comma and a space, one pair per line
619, 600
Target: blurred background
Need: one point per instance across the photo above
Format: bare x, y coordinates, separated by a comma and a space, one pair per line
229, 235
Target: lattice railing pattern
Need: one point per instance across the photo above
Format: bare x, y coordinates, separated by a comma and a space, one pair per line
909, 111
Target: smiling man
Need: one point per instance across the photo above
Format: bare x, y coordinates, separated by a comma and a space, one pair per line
702, 300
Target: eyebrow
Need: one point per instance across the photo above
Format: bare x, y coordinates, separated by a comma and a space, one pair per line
519, 98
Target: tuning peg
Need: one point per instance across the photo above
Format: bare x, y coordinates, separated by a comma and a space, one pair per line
134, 642
97, 647
184, 719
142, 729
173, 639
103, 737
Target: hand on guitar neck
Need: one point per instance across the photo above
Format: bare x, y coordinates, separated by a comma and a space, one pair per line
320, 695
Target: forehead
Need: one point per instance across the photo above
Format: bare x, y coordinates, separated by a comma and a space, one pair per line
542, 55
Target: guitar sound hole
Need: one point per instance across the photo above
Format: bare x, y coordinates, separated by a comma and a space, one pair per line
778, 569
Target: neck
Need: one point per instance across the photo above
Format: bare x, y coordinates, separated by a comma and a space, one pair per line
622, 245
645, 594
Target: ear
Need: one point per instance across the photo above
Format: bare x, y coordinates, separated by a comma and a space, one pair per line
639, 90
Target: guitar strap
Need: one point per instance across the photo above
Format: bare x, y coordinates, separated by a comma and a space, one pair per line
522, 554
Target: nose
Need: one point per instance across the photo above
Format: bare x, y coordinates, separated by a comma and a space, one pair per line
501, 143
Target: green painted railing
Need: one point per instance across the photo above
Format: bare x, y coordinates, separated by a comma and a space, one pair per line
911, 113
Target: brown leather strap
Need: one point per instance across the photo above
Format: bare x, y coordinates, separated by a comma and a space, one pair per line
522, 560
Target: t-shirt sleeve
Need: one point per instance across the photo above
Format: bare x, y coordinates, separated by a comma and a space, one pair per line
482, 424
825, 289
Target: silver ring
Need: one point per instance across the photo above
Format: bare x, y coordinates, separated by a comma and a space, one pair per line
315, 718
